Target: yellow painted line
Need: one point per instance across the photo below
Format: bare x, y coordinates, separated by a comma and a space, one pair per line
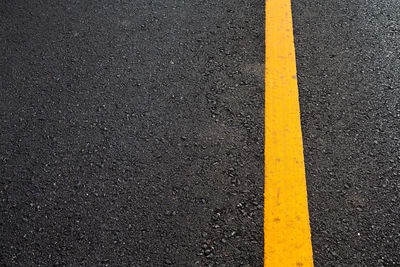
287, 237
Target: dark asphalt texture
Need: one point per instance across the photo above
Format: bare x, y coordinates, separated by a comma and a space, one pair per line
132, 133
348, 61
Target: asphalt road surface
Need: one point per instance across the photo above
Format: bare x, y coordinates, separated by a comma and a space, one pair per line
348, 60
132, 132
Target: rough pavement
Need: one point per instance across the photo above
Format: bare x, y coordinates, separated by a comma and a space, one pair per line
131, 133
348, 61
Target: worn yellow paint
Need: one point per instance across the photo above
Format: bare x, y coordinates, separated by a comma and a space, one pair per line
287, 236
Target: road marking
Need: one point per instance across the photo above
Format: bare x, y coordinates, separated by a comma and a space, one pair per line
287, 237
